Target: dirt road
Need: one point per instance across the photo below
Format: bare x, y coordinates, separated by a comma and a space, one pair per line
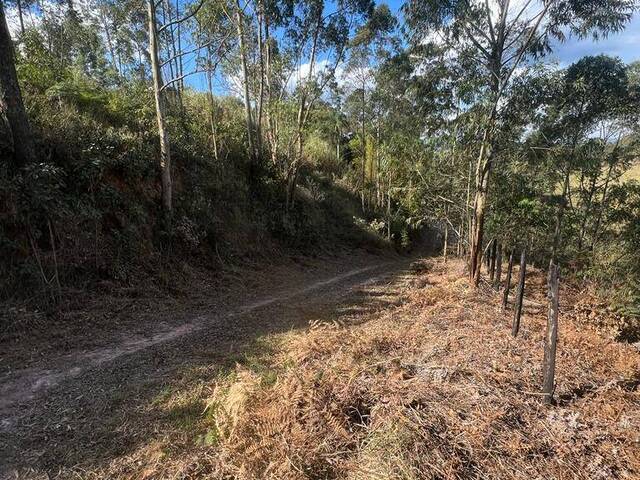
86, 405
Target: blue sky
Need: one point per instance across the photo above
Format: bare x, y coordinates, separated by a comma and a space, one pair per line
625, 45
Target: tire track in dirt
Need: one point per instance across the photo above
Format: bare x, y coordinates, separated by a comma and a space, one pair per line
27, 384
30, 395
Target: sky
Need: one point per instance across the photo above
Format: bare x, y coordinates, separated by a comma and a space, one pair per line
625, 45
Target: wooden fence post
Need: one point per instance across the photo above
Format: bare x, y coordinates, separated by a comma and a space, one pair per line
492, 263
487, 254
498, 275
445, 247
507, 284
551, 340
519, 294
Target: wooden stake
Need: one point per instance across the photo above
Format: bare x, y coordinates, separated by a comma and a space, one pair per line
498, 275
519, 294
551, 340
446, 242
507, 285
492, 262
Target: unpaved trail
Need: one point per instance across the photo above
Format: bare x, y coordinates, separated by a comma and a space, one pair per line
78, 407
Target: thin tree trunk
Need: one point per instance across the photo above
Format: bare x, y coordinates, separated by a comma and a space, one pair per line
519, 294
603, 204
558, 228
378, 160
446, 241
107, 34
165, 148
389, 210
364, 146
11, 106
466, 205
179, 59
459, 246
492, 263
20, 16
292, 172
212, 119
261, 83
56, 274
487, 256
587, 210
245, 83
551, 339
483, 170
171, 55
272, 134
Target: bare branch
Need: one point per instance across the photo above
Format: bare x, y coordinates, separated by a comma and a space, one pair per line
476, 43
489, 21
177, 79
517, 18
183, 19
524, 47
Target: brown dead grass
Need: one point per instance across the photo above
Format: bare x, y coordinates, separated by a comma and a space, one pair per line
436, 388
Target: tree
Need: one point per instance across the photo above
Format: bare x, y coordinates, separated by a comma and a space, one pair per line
582, 132
158, 95
159, 87
12, 110
313, 32
368, 43
245, 85
501, 39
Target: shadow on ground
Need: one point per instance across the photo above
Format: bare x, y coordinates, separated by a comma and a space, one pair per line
112, 410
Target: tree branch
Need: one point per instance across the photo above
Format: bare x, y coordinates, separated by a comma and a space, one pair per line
177, 79
183, 19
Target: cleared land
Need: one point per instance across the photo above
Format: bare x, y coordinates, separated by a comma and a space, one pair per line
89, 392
403, 374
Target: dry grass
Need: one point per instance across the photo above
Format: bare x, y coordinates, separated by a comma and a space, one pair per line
436, 388
633, 173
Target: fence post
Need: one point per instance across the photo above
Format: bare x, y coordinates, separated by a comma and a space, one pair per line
519, 294
551, 340
498, 268
487, 255
492, 263
507, 285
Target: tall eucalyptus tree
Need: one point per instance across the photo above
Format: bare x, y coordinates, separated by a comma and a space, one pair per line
12, 109
502, 36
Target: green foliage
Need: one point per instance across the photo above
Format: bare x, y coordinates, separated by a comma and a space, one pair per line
380, 140
96, 185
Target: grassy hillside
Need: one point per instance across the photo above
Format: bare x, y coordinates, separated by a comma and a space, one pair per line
633, 173
89, 211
